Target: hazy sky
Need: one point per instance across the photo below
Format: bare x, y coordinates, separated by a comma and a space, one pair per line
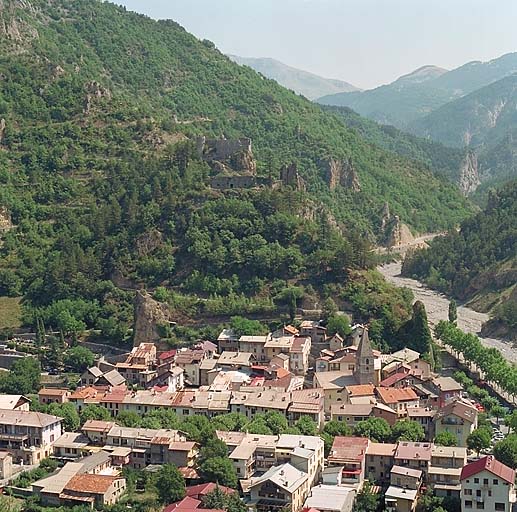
365, 42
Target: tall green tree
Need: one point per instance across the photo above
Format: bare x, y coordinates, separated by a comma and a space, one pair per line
376, 429
446, 438
218, 499
170, 484
366, 500
407, 430
478, 440
505, 451
453, 311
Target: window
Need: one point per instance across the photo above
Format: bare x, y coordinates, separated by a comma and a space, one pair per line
495, 481
468, 492
478, 493
480, 505
485, 481
468, 504
500, 506
476, 480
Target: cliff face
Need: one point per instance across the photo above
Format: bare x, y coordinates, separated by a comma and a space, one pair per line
343, 173
469, 175
398, 233
5, 220
149, 316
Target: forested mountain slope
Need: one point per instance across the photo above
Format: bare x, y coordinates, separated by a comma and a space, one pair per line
486, 121
101, 183
479, 262
438, 157
302, 82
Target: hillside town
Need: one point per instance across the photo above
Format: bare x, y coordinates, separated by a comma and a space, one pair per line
323, 420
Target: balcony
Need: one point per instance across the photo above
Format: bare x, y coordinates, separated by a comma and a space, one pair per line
13, 437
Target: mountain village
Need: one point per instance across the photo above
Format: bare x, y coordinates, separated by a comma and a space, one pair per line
299, 372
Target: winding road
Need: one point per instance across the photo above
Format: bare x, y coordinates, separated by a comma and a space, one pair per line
437, 306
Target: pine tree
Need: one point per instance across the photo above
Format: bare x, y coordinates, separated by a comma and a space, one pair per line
420, 329
453, 311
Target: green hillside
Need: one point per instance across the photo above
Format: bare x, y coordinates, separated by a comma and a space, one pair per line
102, 182
439, 158
478, 263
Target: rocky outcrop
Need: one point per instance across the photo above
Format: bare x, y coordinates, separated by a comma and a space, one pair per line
94, 92
386, 217
469, 174
148, 242
342, 173
12, 27
290, 177
227, 154
5, 220
149, 315
3, 127
398, 233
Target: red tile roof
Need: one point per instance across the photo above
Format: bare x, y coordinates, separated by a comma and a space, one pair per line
408, 450
394, 395
361, 390
185, 503
348, 449
491, 465
95, 484
393, 379
188, 504
167, 355
195, 491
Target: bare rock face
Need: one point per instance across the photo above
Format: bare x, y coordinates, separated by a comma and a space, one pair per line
148, 316
12, 27
398, 233
233, 154
3, 127
94, 92
386, 216
148, 242
290, 177
5, 220
342, 173
469, 175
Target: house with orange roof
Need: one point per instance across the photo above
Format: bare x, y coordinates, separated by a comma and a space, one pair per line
350, 453
93, 490
53, 396
380, 458
399, 399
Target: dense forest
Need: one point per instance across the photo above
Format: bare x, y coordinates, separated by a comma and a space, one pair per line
478, 263
103, 192
439, 158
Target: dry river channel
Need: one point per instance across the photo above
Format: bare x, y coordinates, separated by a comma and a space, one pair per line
437, 306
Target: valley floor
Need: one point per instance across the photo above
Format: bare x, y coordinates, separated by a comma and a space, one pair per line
437, 304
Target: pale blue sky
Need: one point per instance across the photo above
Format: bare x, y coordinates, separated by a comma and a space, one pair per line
365, 42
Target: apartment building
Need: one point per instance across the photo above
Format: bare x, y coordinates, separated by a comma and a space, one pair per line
458, 418
280, 487
254, 454
350, 454
487, 484
27, 435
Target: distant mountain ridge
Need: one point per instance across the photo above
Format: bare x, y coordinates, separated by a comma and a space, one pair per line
302, 82
406, 100
422, 74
